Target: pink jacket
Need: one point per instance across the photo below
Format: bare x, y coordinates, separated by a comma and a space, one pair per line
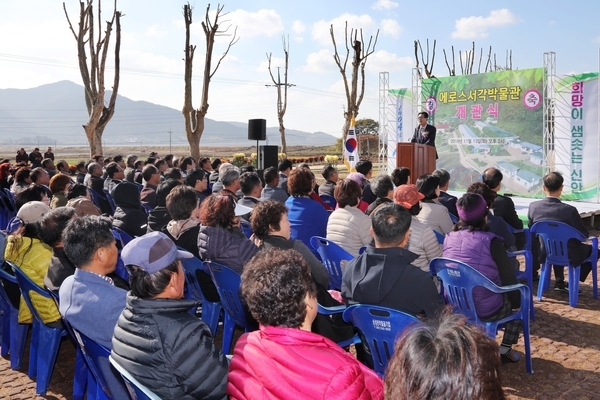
288, 363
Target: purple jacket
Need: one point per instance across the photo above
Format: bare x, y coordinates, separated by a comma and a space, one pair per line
473, 248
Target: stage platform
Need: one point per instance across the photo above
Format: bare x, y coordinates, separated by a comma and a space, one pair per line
585, 209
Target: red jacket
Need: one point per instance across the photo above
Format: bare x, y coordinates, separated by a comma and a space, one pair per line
288, 363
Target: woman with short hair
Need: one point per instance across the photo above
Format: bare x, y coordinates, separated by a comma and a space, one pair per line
220, 238
157, 340
307, 217
432, 213
59, 185
347, 226
284, 359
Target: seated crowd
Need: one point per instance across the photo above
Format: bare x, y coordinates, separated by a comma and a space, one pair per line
71, 237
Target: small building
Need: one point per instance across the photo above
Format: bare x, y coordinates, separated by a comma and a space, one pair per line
530, 147
527, 179
537, 158
508, 170
442, 128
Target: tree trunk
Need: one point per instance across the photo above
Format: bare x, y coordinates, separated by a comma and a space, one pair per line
282, 133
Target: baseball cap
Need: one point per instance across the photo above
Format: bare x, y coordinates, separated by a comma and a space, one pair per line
152, 252
407, 195
32, 212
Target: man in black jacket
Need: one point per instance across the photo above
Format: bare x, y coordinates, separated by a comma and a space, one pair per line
503, 206
384, 276
552, 209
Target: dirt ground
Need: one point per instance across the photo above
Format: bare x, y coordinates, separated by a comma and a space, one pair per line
565, 345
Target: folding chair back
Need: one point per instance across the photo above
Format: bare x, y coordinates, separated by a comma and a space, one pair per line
14, 335
45, 339
136, 390
331, 255
379, 328
459, 280
228, 284
329, 200
555, 236
210, 310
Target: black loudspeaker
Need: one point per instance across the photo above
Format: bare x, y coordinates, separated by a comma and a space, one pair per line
267, 157
257, 129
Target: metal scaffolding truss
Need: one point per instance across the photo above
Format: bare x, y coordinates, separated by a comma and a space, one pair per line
417, 76
549, 109
384, 86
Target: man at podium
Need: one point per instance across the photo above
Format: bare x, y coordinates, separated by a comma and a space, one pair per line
424, 133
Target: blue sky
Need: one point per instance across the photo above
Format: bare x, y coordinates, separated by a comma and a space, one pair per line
37, 48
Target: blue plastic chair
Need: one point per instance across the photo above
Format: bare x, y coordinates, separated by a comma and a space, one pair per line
210, 310
555, 236
453, 218
379, 327
362, 250
82, 373
45, 340
105, 379
136, 390
339, 310
228, 284
524, 231
329, 200
526, 274
14, 334
97, 197
331, 255
11, 198
111, 201
440, 237
121, 236
459, 280
246, 228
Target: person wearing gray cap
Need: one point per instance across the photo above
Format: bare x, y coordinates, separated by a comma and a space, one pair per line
157, 340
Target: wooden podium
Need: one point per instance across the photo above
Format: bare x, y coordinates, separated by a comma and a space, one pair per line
419, 158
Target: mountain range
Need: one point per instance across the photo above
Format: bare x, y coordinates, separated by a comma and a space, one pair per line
54, 114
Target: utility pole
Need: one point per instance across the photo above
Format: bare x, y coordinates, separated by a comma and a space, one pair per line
278, 85
170, 141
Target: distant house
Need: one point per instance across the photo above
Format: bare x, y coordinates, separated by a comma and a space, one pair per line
537, 158
508, 170
530, 147
527, 179
480, 125
442, 128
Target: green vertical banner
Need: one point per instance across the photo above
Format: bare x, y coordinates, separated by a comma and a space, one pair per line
576, 135
489, 120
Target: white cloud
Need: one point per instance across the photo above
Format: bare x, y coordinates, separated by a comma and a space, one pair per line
320, 29
260, 23
391, 28
319, 62
383, 61
477, 27
298, 27
155, 31
275, 62
384, 5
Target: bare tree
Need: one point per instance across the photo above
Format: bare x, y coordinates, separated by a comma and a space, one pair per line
92, 74
426, 66
281, 100
359, 60
194, 118
467, 62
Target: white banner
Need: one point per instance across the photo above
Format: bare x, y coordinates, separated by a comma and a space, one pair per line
401, 109
576, 137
